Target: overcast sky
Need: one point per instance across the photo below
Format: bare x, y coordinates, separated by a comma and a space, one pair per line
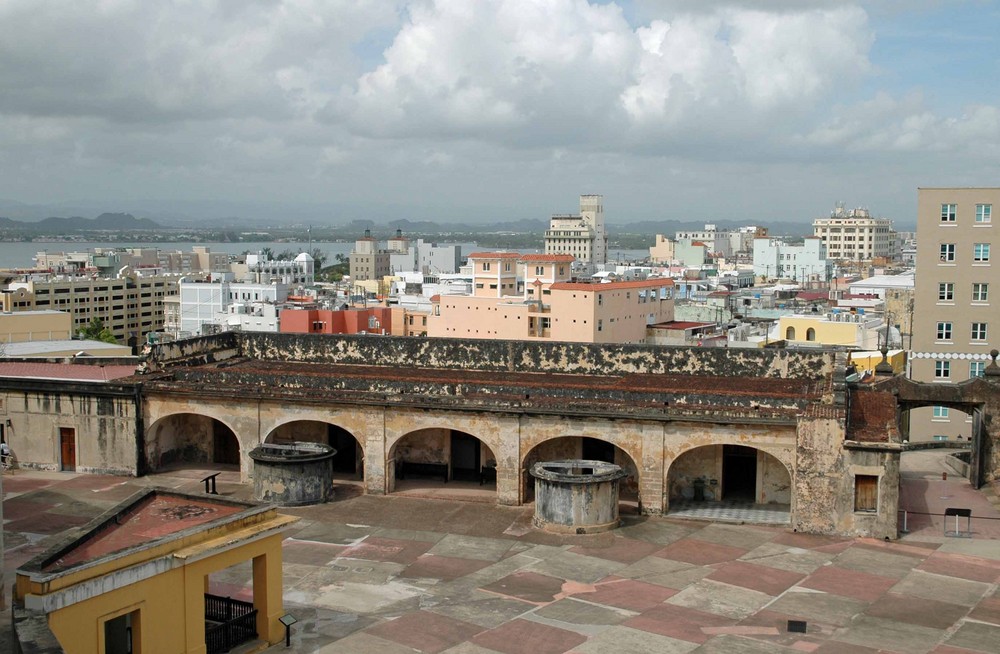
494, 110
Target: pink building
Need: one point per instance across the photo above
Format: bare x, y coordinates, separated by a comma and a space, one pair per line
374, 320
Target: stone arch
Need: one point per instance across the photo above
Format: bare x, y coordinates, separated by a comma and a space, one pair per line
443, 452
350, 457
810, 334
789, 333
190, 437
580, 446
758, 474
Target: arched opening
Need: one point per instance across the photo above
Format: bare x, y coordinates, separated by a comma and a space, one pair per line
810, 334
190, 440
790, 334
729, 481
439, 460
584, 447
349, 462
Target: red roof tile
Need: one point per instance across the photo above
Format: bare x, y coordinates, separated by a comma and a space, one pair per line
494, 255
610, 286
65, 371
565, 258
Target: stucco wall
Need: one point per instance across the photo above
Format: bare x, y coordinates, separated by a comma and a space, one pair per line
104, 429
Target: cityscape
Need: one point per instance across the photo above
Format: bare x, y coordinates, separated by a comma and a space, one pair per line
511, 364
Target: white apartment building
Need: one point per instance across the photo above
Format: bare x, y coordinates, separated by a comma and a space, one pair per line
853, 235
956, 313
581, 236
213, 302
775, 259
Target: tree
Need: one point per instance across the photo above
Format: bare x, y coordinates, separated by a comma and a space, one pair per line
319, 258
96, 331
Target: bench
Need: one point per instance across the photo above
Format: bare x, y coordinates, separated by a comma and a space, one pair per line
210, 484
404, 468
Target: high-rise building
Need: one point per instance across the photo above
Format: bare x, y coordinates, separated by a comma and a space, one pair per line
582, 235
852, 235
367, 261
955, 317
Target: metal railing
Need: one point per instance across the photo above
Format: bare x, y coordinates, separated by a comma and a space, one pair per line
235, 622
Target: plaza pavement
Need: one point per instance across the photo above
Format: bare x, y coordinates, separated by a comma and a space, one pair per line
399, 574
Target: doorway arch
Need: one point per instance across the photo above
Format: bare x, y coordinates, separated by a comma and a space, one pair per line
190, 439
439, 455
724, 472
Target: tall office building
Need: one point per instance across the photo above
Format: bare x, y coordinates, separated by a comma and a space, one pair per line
581, 235
955, 309
853, 235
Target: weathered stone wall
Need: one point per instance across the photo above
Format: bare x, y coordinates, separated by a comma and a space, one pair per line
521, 356
825, 477
700, 463
104, 424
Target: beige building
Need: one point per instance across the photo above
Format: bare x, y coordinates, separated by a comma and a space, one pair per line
25, 326
583, 235
853, 235
662, 251
580, 312
367, 261
494, 274
131, 306
955, 311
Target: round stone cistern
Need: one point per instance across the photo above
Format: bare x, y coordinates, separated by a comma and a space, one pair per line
293, 474
576, 496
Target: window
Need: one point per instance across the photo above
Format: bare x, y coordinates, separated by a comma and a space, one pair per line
981, 252
948, 212
947, 252
506, 267
810, 334
979, 331
600, 300
946, 292
940, 412
984, 213
539, 270
944, 331
980, 292
866, 493
486, 266
600, 323
977, 369
942, 369
790, 334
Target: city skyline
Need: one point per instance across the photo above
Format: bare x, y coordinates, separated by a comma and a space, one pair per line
478, 112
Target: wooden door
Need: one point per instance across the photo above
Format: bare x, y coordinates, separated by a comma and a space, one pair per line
67, 445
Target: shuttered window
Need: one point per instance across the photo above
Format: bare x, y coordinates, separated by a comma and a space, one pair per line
866, 493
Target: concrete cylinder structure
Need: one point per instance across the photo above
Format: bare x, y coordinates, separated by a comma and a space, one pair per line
293, 474
576, 496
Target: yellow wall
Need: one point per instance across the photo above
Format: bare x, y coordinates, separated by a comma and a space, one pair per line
36, 326
827, 333
172, 605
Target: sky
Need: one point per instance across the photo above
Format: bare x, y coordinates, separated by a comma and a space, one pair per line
492, 110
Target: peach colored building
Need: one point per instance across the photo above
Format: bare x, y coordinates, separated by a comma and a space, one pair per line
550, 306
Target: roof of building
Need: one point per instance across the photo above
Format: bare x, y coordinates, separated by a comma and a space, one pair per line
36, 348
811, 296
566, 258
678, 325
32, 312
494, 255
64, 372
611, 286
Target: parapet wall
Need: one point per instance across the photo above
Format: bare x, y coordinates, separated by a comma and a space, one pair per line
515, 356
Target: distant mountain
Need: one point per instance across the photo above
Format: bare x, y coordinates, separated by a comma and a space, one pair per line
104, 222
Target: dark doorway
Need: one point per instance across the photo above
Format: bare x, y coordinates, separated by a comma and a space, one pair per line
67, 446
739, 473
118, 633
594, 449
225, 446
464, 457
346, 458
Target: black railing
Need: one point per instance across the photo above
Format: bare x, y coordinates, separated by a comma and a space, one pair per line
228, 623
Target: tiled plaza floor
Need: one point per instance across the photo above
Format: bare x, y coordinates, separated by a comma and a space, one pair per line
402, 574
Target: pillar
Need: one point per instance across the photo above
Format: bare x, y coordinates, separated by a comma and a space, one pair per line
267, 593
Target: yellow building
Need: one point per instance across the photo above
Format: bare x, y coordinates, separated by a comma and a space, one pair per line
24, 326
138, 578
842, 328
